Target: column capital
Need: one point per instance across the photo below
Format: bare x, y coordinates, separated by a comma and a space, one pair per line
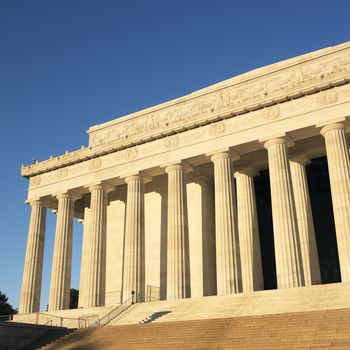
100, 186
66, 194
34, 201
249, 171
178, 165
223, 153
279, 140
302, 159
138, 177
340, 120
333, 126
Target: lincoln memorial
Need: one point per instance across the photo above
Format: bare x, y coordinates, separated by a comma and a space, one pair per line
239, 187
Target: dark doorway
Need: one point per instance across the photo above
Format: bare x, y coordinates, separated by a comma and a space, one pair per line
322, 210
263, 204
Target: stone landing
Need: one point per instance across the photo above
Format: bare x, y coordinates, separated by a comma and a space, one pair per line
73, 318
322, 297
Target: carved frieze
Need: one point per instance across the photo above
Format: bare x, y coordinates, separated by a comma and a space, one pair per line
95, 164
131, 153
217, 128
327, 98
272, 113
284, 82
226, 133
35, 181
265, 96
62, 173
171, 141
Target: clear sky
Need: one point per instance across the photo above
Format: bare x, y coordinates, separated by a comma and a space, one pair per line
66, 65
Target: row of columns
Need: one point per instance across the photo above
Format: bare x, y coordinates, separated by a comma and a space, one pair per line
238, 264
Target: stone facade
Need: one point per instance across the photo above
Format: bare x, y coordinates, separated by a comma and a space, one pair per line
162, 212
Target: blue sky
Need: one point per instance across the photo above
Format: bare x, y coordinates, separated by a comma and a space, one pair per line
66, 65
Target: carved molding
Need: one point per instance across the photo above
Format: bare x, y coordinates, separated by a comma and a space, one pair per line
131, 153
217, 128
272, 113
171, 141
228, 128
35, 181
95, 164
262, 92
62, 173
327, 98
285, 82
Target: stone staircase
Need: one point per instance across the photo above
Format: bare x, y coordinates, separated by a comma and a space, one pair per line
322, 297
322, 329
121, 315
316, 317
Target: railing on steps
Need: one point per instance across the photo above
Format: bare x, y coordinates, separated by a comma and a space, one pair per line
29, 337
115, 312
81, 322
6, 317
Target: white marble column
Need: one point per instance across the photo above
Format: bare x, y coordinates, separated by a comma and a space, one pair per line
339, 176
285, 228
33, 264
134, 240
62, 254
95, 281
228, 268
178, 270
249, 242
306, 229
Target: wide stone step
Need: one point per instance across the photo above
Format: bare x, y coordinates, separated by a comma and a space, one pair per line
305, 330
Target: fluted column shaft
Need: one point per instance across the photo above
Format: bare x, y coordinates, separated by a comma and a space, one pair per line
339, 176
227, 242
306, 229
134, 241
249, 242
178, 270
286, 236
33, 264
62, 254
95, 283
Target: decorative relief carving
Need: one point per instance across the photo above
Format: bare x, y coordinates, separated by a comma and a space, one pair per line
328, 97
62, 173
95, 164
131, 153
35, 181
171, 141
272, 113
283, 82
217, 128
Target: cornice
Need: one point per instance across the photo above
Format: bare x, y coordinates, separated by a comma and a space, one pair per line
278, 83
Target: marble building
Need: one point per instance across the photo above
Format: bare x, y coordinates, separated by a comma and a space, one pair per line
166, 195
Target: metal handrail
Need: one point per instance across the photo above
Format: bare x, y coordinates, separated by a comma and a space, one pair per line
8, 317
28, 336
62, 319
115, 312
99, 322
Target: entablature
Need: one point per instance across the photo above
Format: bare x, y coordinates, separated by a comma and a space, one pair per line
297, 118
266, 89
